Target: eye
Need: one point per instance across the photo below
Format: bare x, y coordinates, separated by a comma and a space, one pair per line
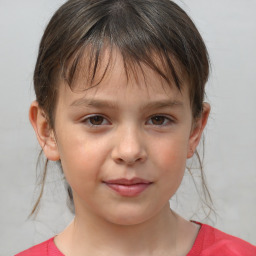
160, 120
95, 120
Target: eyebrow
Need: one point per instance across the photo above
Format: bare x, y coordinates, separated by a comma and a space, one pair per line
93, 103
163, 104
105, 104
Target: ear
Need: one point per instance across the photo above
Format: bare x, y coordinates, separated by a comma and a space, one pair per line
197, 130
44, 132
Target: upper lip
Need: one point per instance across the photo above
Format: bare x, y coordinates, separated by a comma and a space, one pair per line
124, 181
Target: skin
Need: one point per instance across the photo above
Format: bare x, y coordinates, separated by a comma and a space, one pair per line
140, 130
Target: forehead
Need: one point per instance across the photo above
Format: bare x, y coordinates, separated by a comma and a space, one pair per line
113, 81
111, 65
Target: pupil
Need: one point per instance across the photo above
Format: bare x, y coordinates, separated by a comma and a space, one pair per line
96, 120
158, 120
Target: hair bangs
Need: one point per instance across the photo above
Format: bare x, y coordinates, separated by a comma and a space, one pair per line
137, 46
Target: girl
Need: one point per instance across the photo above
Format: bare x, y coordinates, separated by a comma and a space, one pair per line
120, 106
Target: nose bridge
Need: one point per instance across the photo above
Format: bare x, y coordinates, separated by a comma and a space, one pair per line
129, 146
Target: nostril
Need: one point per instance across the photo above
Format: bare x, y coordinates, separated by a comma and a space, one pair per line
132, 162
128, 161
129, 150
119, 160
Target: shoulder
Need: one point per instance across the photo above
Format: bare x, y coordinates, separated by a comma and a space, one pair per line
46, 248
211, 241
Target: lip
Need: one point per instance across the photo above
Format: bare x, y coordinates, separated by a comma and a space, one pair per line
128, 187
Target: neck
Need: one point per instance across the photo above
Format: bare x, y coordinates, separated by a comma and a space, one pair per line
88, 234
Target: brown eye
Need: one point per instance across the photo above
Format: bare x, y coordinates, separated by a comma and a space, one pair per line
158, 120
96, 120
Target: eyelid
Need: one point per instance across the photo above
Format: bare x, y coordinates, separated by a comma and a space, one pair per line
169, 119
86, 119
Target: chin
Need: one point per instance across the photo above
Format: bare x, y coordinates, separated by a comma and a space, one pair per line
128, 220
129, 217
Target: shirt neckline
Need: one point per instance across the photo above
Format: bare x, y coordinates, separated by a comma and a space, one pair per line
193, 251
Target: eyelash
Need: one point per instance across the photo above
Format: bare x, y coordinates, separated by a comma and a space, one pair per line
167, 120
88, 119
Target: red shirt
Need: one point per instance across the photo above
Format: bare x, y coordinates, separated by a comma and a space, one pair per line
209, 242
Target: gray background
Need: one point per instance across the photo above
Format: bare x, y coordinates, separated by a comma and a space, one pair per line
229, 29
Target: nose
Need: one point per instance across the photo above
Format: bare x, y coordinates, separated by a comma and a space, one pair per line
129, 147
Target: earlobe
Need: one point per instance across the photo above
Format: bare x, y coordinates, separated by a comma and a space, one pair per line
44, 133
197, 130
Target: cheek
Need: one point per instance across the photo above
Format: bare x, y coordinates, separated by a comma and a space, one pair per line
172, 154
81, 158
171, 159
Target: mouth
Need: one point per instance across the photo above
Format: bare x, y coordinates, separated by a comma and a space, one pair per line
128, 188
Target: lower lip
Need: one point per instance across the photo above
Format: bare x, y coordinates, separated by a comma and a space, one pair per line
129, 190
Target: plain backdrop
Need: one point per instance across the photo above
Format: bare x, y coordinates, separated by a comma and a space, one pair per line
229, 30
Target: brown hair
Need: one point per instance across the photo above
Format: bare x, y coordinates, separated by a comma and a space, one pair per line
139, 29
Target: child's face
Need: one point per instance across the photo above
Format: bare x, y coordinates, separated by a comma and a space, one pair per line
123, 132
